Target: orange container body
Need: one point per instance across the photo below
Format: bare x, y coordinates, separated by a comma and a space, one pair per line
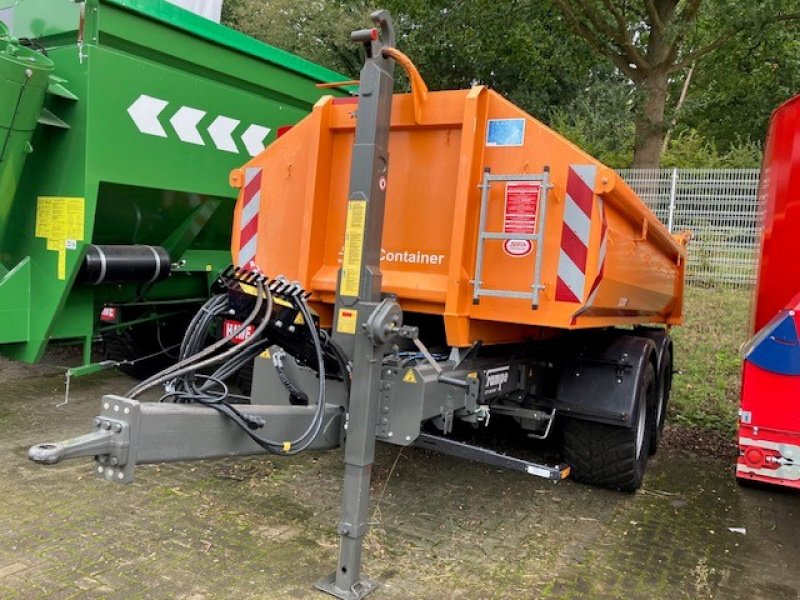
605, 258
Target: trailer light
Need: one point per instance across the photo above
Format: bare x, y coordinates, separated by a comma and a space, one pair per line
109, 314
754, 457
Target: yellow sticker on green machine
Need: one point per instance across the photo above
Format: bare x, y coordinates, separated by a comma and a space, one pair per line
353, 245
60, 221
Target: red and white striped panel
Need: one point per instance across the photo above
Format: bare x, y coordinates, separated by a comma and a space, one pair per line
578, 203
601, 254
601, 261
248, 222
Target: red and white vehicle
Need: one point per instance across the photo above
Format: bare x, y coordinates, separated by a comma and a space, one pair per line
769, 423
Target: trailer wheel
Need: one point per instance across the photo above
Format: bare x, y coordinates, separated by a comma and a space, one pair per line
611, 456
244, 378
128, 347
662, 404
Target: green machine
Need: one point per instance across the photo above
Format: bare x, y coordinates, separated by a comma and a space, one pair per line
120, 121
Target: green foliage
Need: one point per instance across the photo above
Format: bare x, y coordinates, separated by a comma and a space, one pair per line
520, 48
690, 150
525, 50
732, 95
600, 121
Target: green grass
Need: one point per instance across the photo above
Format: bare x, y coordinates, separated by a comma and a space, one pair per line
705, 392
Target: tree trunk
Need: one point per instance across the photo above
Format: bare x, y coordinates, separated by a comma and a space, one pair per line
649, 136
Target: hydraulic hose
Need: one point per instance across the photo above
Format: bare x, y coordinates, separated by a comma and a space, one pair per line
194, 362
304, 440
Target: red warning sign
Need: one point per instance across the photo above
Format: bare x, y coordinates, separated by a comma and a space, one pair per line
522, 205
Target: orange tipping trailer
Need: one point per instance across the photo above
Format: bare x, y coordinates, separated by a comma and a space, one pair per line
474, 263
493, 220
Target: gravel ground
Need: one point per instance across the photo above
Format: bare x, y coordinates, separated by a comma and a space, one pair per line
263, 527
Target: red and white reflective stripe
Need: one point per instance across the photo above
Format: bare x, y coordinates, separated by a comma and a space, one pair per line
601, 254
248, 223
578, 202
601, 260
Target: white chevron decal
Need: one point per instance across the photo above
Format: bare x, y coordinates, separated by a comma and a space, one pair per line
221, 131
144, 112
253, 139
185, 124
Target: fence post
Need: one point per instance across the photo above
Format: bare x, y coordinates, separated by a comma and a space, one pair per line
672, 196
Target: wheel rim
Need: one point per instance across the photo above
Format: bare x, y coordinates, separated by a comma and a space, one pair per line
641, 422
660, 408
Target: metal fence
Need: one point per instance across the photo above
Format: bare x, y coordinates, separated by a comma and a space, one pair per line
719, 206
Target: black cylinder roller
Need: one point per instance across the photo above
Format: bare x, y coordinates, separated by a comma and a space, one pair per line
118, 264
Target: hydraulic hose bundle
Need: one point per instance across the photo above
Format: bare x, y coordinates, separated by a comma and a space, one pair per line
188, 380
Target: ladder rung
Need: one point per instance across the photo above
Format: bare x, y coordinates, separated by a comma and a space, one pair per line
488, 177
504, 294
496, 235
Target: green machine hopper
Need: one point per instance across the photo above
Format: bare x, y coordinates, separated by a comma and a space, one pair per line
118, 203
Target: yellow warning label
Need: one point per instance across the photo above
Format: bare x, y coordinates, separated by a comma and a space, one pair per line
250, 290
60, 221
299, 320
266, 354
353, 245
409, 377
282, 302
347, 321
472, 375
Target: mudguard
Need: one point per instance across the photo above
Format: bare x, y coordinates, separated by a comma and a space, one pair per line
601, 382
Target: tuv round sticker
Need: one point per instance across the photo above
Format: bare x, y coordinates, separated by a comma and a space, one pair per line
518, 247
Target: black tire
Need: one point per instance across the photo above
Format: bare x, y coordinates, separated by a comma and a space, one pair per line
130, 345
611, 456
244, 378
662, 404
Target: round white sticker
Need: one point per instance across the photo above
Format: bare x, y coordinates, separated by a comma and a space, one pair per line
518, 248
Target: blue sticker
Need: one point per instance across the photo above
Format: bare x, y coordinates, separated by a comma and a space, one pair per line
506, 132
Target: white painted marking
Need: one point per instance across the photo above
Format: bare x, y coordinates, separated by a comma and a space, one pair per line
577, 220
587, 173
185, 124
253, 139
221, 131
572, 276
248, 251
250, 174
144, 112
250, 209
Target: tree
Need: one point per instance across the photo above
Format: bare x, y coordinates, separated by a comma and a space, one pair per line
521, 48
733, 93
650, 41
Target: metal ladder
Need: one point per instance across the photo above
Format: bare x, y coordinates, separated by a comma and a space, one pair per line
483, 235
